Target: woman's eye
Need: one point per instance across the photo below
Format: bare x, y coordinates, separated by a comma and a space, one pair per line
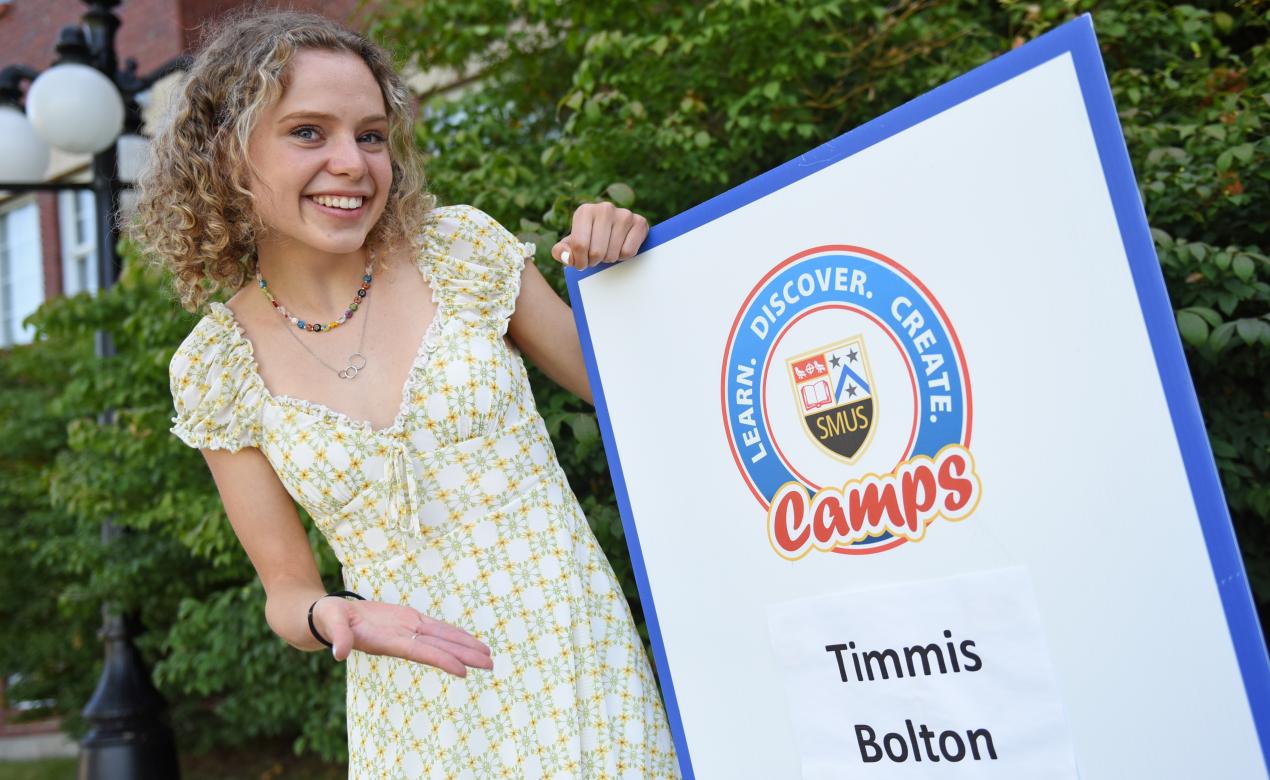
309, 133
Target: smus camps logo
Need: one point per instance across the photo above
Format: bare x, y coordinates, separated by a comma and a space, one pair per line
847, 404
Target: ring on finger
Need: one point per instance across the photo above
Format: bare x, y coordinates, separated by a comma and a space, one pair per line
415, 634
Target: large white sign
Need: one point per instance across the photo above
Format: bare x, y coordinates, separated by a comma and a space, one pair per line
935, 346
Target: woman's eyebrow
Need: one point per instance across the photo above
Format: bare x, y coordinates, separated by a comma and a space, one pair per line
329, 117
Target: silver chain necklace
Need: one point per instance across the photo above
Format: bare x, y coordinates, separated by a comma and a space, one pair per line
356, 361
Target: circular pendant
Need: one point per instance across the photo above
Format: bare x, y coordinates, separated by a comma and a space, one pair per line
356, 362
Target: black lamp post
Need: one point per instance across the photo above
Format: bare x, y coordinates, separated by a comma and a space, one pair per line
80, 104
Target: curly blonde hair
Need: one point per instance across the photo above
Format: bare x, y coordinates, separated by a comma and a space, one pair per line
196, 216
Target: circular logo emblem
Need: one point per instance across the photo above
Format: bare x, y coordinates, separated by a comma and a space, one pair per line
847, 404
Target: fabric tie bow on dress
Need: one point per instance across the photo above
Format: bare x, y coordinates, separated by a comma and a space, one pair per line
403, 487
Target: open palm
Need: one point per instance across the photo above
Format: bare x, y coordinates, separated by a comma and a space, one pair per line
400, 631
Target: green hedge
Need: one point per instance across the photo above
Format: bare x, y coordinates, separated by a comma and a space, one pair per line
657, 106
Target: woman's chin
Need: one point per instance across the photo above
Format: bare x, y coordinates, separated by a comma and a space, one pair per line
346, 242
319, 239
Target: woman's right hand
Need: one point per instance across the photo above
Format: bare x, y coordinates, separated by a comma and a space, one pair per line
385, 629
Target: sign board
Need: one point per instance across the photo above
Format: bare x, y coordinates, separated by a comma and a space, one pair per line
917, 399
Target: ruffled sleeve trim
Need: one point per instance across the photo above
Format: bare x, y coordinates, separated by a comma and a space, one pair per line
474, 265
216, 391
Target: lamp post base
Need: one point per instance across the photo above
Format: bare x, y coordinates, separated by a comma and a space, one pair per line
128, 739
140, 754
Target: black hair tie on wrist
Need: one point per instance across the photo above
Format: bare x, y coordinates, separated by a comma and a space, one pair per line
313, 628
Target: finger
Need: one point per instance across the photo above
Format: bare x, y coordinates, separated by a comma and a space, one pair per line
335, 627
623, 221
468, 655
580, 237
443, 630
448, 656
635, 237
601, 231
431, 655
561, 251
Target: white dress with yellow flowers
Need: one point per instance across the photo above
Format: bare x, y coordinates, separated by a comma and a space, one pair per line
459, 509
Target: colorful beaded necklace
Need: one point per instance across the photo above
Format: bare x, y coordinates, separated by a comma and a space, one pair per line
317, 327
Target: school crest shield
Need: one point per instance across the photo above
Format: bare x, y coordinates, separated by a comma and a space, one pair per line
834, 393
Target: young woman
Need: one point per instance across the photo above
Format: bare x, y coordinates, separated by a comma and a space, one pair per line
367, 366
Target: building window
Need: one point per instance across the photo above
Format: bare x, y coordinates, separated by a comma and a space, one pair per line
77, 213
21, 271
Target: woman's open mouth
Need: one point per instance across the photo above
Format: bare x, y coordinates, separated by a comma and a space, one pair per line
337, 205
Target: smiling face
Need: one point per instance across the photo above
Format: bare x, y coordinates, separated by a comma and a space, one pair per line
320, 154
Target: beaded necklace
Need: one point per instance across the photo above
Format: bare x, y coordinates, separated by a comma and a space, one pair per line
317, 327
356, 361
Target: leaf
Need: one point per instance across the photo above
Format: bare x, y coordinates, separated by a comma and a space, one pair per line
1221, 336
1242, 152
1243, 267
584, 428
1208, 315
621, 194
1222, 448
1249, 330
1193, 328
771, 89
701, 139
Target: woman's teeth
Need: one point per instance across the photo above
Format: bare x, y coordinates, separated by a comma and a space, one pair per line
337, 203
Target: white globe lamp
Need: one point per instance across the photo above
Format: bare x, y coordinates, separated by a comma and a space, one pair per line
75, 108
24, 157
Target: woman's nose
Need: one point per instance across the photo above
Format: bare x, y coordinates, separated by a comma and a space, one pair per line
346, 157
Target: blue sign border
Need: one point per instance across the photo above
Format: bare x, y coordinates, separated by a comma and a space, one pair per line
1077, 39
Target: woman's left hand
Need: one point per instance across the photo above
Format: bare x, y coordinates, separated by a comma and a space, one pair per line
601, 233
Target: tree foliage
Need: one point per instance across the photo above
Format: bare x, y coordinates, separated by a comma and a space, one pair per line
178, 565
653, 105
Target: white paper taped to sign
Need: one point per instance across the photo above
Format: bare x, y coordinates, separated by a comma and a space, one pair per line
946, 678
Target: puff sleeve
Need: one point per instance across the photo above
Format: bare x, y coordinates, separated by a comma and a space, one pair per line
474, 265
216, 391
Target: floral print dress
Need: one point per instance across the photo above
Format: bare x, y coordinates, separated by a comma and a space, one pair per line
459, 509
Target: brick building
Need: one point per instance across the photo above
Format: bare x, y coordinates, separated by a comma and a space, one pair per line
47, 244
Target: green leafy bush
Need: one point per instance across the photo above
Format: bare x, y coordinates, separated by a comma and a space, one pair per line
228, 677
656, 106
